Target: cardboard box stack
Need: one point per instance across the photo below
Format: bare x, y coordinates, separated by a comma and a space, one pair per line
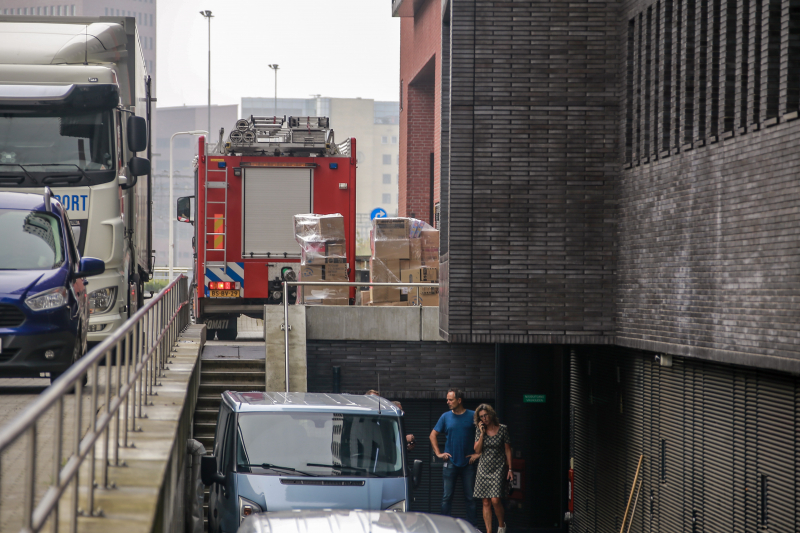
323, 257
403, 249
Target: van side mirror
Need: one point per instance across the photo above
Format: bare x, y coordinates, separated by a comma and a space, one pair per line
139, 166
90, 266
185, 209
137, 134
416, 473
208, 470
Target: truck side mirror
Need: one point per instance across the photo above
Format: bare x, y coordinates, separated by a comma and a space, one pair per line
185, 209
208, 470
139, 166
137, 134
416, 473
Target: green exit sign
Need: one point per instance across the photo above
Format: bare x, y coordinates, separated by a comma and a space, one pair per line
534, 398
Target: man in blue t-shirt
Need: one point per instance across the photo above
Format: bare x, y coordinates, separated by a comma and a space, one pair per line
459, 454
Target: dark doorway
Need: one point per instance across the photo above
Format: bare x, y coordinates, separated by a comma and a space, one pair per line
533, 400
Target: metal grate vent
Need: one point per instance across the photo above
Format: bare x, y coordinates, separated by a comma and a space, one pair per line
326, 483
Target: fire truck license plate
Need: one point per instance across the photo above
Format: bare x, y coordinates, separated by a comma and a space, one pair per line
225, 294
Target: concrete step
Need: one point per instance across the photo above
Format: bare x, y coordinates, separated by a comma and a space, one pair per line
225, 376
208, 402
206, 415
204, 428
233, 365
208, 442
215, 389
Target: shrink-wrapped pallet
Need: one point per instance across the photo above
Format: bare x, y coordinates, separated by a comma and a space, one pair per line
323, 257
402, 245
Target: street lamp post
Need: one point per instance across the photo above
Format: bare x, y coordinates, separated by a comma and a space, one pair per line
207, 14
172, 201
275, 67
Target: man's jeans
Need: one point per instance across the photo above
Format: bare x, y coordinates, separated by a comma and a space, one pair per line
449, 474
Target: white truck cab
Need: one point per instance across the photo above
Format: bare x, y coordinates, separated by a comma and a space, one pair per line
74, 114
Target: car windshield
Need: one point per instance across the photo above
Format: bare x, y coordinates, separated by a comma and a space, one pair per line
33, 236
322, 444
59, 138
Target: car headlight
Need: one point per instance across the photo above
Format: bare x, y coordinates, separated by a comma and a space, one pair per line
247, 507
399, 506
102, 300
49, 299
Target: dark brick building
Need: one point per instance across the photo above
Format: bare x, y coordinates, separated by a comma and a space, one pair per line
620, 211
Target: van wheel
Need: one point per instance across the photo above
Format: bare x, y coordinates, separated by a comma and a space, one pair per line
78, 351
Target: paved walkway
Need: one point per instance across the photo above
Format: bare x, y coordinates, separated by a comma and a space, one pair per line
15, 395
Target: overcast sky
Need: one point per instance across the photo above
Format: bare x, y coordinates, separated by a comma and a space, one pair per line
336, 48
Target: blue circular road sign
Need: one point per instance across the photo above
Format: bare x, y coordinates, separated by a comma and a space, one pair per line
378, 213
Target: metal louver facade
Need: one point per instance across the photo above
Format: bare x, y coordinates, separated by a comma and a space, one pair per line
720, 444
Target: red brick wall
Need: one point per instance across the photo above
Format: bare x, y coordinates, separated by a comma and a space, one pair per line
420, 43
415, 189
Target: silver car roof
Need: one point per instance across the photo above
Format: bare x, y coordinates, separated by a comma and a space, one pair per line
341, 521
259, 401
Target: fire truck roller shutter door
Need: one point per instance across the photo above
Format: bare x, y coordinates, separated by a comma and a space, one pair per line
271, 198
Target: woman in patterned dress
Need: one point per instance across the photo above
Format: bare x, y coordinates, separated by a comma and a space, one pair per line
493, 442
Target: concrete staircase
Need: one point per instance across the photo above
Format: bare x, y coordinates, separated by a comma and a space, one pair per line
217, 376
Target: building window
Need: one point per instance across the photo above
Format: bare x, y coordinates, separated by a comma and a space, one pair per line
73, 10
106, 11
386, 198
387, 159
151, 19
394, 139
387, 179
384, 140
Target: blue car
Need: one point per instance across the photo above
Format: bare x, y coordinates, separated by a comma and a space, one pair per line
44, 308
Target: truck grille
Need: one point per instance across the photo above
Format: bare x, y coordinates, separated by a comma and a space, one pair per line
10, 316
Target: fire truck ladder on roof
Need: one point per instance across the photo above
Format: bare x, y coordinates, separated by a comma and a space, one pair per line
220, 227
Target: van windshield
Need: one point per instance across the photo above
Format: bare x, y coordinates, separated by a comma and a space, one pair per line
321, 444
59, 137
34, 237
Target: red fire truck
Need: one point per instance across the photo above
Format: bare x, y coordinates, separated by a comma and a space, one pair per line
247, 191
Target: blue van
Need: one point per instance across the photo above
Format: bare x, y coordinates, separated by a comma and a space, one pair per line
278, 451
44, 307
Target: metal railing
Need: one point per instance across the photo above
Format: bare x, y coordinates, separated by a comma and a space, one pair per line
134, 358
287, 327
